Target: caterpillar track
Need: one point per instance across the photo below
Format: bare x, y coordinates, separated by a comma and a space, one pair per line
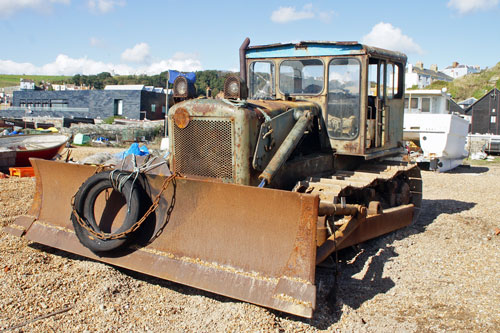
383, 188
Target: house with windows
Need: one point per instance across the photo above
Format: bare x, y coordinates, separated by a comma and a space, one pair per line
484, 114
420, 77
457, 70
130, 101
27, 84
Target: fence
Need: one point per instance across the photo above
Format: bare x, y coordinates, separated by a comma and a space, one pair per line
37, 109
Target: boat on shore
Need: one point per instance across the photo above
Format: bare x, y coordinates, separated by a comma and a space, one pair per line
434, 129
16, 150
441, 137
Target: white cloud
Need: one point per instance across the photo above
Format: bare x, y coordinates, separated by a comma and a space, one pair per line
386, 36
180, 61
9, 7
467, 6
65, 65
326, 16
289, 14
104, 6
96, 42
139, 53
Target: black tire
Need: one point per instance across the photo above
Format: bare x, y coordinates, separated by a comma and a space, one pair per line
84, 205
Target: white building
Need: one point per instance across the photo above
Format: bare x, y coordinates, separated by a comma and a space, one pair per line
456, 70
418, 76
27, 84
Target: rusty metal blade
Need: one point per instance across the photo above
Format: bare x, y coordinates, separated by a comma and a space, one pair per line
370, 227
252, 244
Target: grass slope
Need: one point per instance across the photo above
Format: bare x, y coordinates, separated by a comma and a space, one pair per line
7, 80
472, 85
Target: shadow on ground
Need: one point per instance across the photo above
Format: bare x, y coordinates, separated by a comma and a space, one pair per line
469, 169
352, 291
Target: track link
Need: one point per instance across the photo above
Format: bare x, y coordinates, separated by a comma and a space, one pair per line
391, 184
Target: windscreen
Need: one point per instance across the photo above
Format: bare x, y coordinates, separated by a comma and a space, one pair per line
301, 77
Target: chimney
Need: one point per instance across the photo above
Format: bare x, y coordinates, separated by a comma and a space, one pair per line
454, 64
434, 67
419, 64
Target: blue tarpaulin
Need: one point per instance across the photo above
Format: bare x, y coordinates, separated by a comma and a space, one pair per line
134, 149
172, 75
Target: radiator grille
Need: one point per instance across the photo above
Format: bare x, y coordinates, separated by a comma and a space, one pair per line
204, 148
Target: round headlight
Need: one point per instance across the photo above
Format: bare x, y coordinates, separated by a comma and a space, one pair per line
181, 87
234, 88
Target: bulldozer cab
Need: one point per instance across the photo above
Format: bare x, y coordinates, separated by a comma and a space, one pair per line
358, 88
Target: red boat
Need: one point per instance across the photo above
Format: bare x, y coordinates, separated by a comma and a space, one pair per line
16, 150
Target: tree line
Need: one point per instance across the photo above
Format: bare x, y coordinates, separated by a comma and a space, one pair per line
208, 78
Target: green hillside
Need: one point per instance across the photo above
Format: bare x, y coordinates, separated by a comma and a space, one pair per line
13, 80
214, 79
472, 85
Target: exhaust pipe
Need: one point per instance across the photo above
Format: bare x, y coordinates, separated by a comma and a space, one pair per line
243, 65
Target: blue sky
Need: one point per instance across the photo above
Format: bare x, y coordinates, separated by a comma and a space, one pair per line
134, 37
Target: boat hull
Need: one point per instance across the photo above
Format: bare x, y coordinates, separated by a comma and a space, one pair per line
16, 151
441, 137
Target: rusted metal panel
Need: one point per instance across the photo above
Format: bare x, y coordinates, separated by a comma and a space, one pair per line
229, 239
377, 225
271, 136
21, 225
360, 228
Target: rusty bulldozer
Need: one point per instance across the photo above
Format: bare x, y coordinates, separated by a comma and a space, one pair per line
302, 157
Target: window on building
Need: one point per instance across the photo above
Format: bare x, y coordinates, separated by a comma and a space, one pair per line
153, 108
426, 104
414, 103
118, 107
406, 103
59, 103
163, 109
493, 119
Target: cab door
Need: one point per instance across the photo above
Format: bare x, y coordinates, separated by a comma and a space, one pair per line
376, 125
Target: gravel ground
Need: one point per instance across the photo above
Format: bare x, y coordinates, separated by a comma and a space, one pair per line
441, 274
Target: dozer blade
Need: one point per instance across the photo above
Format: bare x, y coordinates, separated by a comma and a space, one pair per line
252, 244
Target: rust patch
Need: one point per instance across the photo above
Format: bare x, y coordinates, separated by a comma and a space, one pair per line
351, 147
181, 118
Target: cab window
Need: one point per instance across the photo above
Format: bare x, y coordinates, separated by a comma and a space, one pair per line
261, 80
301, 77
344, 84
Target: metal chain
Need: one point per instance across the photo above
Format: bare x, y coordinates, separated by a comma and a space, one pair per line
84, 224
